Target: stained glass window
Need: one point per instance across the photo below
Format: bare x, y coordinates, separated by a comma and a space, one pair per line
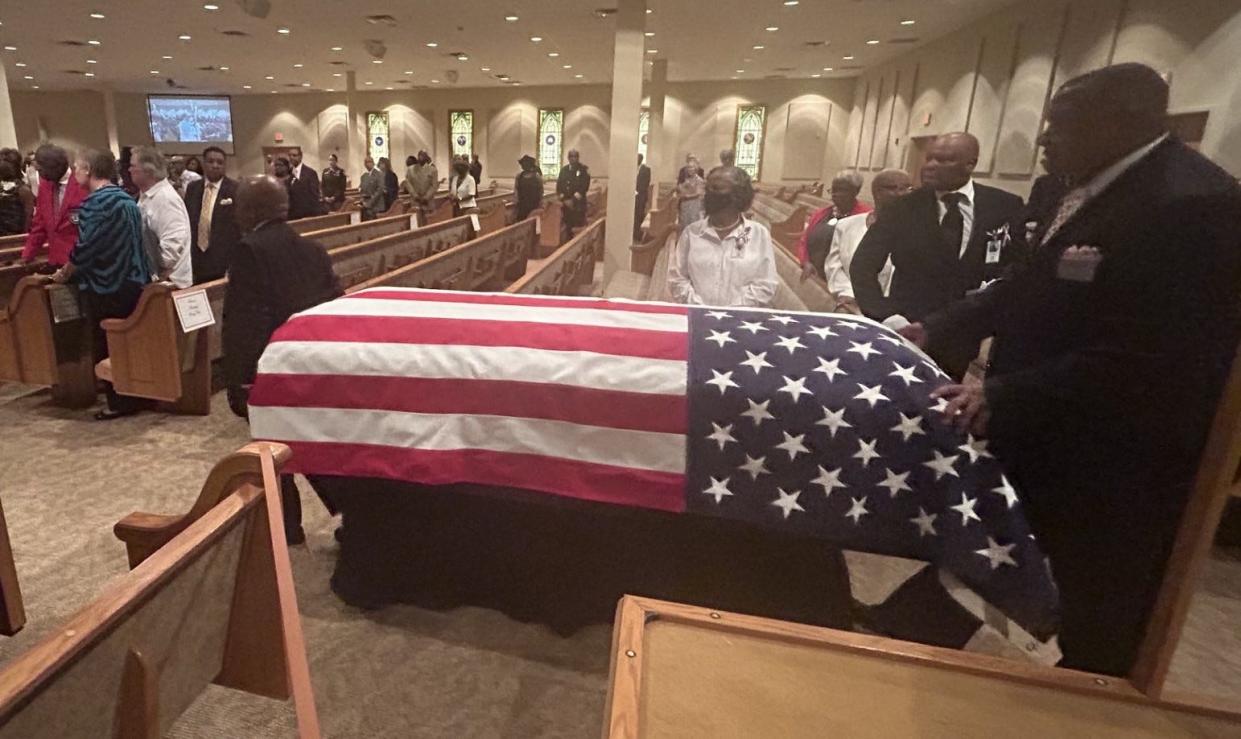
749, 143
551, 141
644, 132
461, 123
377, 135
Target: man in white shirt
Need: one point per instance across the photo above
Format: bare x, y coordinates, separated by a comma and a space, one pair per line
725, 259
166, 232
886, 187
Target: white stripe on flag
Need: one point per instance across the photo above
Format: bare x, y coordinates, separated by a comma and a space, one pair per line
515, 364
486, 312
646, 450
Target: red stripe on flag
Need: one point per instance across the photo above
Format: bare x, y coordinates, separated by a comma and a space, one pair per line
445, 296
554, 336
662, 491
585, 406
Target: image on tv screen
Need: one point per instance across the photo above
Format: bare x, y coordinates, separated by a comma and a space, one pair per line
198, 120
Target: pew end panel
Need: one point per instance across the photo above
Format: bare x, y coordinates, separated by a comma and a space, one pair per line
214, 605
569, 268
12, 607
42, 351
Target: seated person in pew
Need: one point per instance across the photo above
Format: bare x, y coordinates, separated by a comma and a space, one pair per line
16, 199
528, 187
815, 241
55, 222
275, 273
108, 263
1099, 394
725, 259
165, 221
887, 186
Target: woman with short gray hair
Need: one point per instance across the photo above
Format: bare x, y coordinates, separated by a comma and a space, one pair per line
816, 240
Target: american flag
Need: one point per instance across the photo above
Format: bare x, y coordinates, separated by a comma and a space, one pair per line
810, 423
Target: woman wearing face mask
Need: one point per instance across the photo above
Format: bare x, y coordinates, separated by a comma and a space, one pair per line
690, 191
725, 259
462, 188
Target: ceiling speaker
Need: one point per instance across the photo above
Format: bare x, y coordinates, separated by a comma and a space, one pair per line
256, 8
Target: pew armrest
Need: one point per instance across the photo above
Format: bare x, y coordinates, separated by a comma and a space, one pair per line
144, 533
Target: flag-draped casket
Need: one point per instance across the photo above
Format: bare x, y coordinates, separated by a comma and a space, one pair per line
809, 423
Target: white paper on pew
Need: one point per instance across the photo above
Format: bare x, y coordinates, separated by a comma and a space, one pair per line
474, 222
193, 309
355, 216
413, 221
63, 301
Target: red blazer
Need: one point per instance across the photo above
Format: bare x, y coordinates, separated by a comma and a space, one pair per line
803, 244
59, 233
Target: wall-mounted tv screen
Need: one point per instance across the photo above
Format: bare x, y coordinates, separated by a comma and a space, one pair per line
190, 119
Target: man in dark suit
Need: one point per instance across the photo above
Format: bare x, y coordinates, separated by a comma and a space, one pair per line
1111, 348
572, 186
305, 199
213, 229
642, 194
944, 241
275, 273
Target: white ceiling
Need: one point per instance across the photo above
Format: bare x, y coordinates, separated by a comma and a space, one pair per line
701, 39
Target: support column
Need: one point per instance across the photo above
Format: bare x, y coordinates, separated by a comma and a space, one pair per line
657, 93
355, 131
623, 140
109, 117
8, 129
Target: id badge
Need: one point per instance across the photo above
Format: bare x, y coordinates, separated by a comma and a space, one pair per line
993, 251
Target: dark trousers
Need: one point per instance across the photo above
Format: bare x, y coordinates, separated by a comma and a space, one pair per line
291, 503
100, 306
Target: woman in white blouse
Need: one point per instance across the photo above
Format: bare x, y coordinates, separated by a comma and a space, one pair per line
462, 187
725, 259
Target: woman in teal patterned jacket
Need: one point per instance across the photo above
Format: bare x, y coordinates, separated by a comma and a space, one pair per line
108, 262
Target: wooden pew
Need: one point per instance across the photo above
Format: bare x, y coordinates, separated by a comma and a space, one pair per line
151, 357
569, 268
12, 608
479, 264
216, 604
331, 220
551, 226
786, 221
354, 233
812, 202
758, 671
36, 349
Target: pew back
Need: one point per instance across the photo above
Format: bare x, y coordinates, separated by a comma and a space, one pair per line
331, 238
319, 223
474, 265
569, 268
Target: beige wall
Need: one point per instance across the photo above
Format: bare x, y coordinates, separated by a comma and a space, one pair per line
993, 79
803, 116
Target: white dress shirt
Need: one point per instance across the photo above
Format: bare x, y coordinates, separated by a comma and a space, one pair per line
187, 177
466, 189
736, 270
967, 211
848, 234
166, 233
32, 178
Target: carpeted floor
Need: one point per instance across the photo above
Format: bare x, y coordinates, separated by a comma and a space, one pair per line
399, 672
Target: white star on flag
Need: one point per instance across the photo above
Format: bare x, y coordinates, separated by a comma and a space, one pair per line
792, 343
943, 465
833, 420
905, 373
1006, 489
909, 426
752, 327
787, 502
855, 325
722, 380
756, 362
782, 320
896, 483
871, 395
976, 448
796, 388
925, 522
721, 338
866, 451
758, 412
966, 509
722, 434
755, 466
941, 405
998, 554
864, 349
829, 480
857, 510
893, 340
719, 488
793, 445
822, 331
719, 314
831, 368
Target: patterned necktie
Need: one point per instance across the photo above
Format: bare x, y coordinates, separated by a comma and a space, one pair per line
953, 223
1069, 206
204, 218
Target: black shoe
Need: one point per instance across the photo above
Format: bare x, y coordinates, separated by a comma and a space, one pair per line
296, 536
110, 415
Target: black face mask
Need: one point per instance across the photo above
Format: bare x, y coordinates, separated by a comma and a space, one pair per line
714, 202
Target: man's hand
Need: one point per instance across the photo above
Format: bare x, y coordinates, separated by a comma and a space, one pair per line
967, 407
807, 271
61, 276
915, 333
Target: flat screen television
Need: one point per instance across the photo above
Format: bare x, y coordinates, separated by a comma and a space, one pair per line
190, 119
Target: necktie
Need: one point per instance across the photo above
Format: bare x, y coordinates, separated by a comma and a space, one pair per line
953, 223
1069, 206
204, 218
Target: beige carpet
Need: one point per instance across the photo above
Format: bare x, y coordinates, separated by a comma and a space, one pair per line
399, 672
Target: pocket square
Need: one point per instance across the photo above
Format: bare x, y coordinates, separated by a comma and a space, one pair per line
1078, 263
226, 201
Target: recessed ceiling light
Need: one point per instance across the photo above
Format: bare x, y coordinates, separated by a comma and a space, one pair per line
224, 69
486, 69
740, 71
908, 22
733, 77
95, 42
305, 84
30, 76
510, 18
211, 6
577, 76
408, 71
10, 48
649, 11
759, 47
165, 57
34, 87
370, 83
652, 51
154, 71
790, 3
567, 66
431, 45
269, 77
377, 61
331, 89
873, 42
183, 37
387, 88
284, 31
536, 39
648, 34
89, 74
553, 54
246, 87
816, 75
338, 48
22, 64
848, 58
828, 69
463, 58
98, 16
773, 28
298, 65
337, 74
